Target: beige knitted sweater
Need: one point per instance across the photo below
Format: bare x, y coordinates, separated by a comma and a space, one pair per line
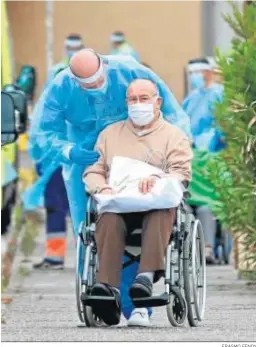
164, 146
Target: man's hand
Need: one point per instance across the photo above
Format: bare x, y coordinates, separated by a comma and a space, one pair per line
147, 184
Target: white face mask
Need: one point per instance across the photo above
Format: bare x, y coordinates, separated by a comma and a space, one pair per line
141, 114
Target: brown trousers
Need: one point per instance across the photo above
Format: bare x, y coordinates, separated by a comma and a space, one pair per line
111, 232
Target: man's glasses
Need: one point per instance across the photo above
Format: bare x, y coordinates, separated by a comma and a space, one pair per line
141, 98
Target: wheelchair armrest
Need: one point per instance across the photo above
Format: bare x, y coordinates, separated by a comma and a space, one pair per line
91, 203
185, 184
91, 209
186, 193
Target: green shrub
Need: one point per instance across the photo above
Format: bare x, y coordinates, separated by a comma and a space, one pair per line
233, 171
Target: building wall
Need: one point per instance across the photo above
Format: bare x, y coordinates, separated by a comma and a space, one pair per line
216, 32
27, 30
166, 34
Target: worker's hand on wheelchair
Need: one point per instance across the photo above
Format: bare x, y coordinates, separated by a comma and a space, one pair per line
147, 184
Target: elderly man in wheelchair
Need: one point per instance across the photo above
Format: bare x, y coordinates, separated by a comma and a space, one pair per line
145, 131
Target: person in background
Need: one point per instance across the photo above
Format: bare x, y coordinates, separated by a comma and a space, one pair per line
55, 196
199, 105
120, 46
195, 76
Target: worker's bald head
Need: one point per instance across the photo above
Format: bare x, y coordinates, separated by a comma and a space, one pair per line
87, 67
84, 63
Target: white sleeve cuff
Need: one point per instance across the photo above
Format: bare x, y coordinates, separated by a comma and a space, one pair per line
66, 151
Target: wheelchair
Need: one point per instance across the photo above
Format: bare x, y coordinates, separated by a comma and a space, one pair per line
184, 274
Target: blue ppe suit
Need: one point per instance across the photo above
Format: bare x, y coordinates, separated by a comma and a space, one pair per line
199, 105
67, 114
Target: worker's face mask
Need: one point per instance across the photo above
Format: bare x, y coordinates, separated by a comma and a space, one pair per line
196, 80
102, 89
141, 114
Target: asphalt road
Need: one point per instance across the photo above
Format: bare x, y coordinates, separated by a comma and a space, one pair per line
44, 309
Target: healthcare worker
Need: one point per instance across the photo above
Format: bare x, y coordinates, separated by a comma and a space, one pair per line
55, 196
195, 78
79, 103
199, 105
120, 46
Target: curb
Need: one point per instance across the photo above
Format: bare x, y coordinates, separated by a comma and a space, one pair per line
22, 238
17, 229
18, 225
21, 246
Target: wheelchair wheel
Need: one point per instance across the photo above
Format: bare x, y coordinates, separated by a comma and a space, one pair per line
80, 254
85, 313
177, 307
175, 311
194, 270
90, 319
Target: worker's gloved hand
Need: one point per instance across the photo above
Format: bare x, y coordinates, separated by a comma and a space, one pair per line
82, 156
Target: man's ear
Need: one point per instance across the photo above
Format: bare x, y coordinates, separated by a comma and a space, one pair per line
159, 101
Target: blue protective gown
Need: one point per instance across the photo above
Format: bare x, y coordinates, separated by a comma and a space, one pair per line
67, 114
33, 197
199, 105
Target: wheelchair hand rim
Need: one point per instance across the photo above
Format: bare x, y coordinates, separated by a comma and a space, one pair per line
199, 294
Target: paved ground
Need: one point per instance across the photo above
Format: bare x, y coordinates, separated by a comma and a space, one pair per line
44, 309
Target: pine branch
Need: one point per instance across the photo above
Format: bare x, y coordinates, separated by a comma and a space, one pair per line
236, 116
236, 20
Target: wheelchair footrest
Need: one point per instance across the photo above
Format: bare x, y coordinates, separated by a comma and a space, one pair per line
153, 301
89, 300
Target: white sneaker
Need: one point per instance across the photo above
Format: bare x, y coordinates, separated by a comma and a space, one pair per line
139, 318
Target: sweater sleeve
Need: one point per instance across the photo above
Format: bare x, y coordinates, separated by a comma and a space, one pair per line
179, 159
